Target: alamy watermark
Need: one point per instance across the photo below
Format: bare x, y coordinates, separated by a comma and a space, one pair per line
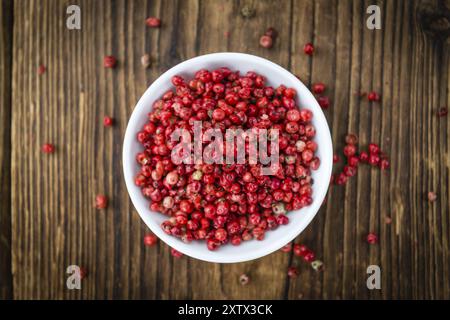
374, 20
374, 279
73, 21
74, 279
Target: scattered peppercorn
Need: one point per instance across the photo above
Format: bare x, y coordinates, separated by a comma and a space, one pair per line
351, 139
335, 158
372, 238
373, 96
300, 250
308, 49
324, 102
271, 32
101, 202
432, 196
309, 256
107, 121
266, 42
442, 112
318, 88
292, 272
287, 248
146, 61
150, 240
48, 148
109, 62
175, 253
41, 69
153, 22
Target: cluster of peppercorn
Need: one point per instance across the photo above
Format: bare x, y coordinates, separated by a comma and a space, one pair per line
374, 157
226, 203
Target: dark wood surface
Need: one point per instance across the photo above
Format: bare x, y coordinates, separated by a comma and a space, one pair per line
47, 217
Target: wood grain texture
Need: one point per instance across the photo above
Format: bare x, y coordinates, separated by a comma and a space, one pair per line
6, 13
54, 223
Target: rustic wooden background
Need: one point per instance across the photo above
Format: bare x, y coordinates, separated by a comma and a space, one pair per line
47, 219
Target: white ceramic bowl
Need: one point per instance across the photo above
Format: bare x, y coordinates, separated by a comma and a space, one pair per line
298, 220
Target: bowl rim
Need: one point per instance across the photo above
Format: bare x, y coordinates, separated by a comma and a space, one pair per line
265, 248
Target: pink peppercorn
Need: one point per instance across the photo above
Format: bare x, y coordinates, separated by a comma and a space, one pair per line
309, 256
266, 41
372, 238
292, 272
308, 49
150, 240
324, 102
373, 96
432, 196
48, 148
41, 69
101, 202
107, 121
318, 88
153, 22
175, 253
109, 62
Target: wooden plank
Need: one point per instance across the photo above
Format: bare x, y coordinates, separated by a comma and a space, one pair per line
6, 13
55, 225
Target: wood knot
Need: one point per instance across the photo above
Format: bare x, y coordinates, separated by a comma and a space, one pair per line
435, 19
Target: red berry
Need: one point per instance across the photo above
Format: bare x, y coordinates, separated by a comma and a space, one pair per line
374, 148
101, 202
109, 62
372, 238
349, 171
266, 41
351, 139
349, 150
287, 248
373, 96
353, 161
341, 179
150, 240
324, 102
48, 148
374, 159
212, 244
335, 158
271, 32
153, 22
309, 256
384, 164
300, 250
41, 69
308, 49
107, 121
442, 112
364, 157
432, 196
292, 272
175, 253
318, 88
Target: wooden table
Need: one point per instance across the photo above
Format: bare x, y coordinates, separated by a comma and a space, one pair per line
47, 217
